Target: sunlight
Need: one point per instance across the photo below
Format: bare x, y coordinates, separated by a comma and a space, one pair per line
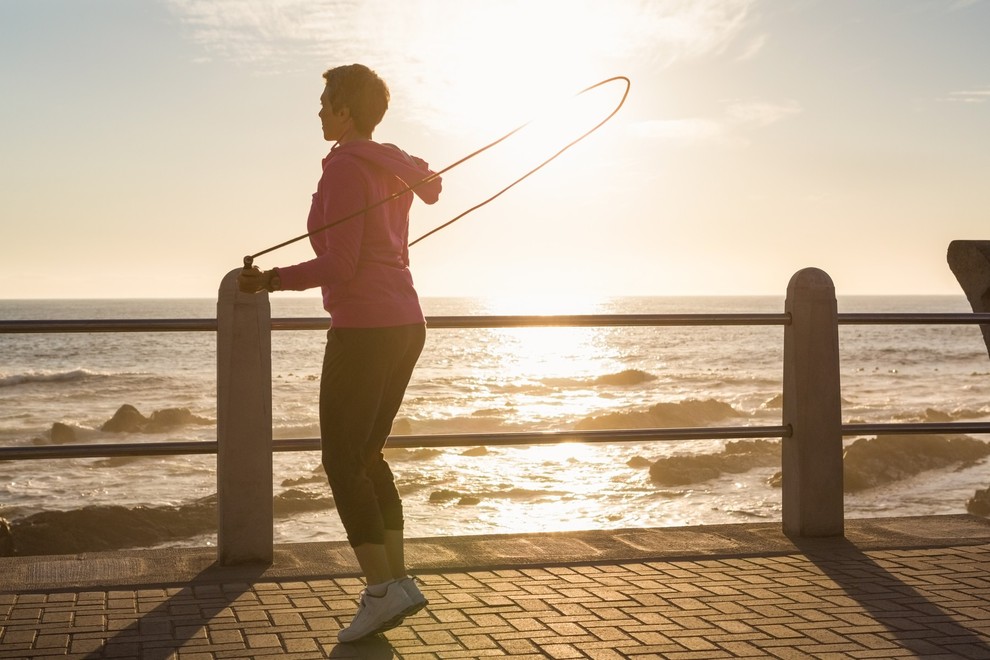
560, 124
543, 298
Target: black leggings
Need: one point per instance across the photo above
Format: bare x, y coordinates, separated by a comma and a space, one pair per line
365, 374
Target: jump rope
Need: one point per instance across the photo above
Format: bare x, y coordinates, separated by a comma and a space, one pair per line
249, 260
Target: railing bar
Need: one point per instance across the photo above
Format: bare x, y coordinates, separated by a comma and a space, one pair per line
510, 321
596, 320
322, 323
908, 318
173, 448
548, 438
402, 441
108, 325
953, 428
112, 450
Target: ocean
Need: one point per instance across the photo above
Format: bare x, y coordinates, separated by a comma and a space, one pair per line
65, 388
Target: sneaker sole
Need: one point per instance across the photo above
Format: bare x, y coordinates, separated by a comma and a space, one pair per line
397, 621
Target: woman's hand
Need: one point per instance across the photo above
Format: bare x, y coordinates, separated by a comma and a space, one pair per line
253, 280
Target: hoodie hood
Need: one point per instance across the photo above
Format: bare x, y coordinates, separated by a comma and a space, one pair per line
409, 169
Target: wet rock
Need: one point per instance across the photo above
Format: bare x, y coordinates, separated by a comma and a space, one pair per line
737, 457
401, 426
294, 500
62, 434
639, 462
444, 495
627, 377
171, 418
872, 462
59, 434
99, 528
979, 504
301, 481
127, 419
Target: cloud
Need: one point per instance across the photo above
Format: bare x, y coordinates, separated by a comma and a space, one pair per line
680, 130
964, 4
760, 113
969, 96
753, 47
737, 117
446, 59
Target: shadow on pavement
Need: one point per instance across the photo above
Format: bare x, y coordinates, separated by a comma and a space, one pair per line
373, 648
177, 619
912, 618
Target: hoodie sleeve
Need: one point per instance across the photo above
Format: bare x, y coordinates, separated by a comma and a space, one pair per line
341, 192
409, 169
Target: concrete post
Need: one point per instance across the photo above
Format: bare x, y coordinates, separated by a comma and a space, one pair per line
245, 533
812, 456
970, 263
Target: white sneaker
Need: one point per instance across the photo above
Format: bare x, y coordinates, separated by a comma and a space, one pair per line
377, 613
416, 596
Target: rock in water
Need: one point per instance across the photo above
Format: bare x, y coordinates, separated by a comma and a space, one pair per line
170, 418
127, 419
872, 462
738, 456
62, 433
979, 504
98, 528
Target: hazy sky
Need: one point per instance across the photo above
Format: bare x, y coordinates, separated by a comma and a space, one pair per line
147, 146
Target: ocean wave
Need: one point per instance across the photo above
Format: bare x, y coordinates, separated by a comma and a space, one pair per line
74, 375
691, 412
620, 379
936, 415
445, 495
736, 457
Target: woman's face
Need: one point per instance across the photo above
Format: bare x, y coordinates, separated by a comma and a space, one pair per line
335, 123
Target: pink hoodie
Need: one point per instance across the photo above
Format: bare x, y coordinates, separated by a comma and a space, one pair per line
362, 264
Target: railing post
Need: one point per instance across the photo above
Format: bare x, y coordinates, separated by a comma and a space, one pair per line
244, 426
812, 456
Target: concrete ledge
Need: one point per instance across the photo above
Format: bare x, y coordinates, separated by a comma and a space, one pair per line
175, 566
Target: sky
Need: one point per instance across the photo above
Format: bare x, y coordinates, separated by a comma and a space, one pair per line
148, 146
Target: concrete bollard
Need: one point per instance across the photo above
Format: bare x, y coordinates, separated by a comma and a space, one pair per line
245, 532
970, 263
811, 459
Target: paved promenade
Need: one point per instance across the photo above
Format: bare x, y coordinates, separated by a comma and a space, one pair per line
895, 587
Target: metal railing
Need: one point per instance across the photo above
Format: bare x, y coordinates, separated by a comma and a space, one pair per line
811, 428
140, 449
177, 448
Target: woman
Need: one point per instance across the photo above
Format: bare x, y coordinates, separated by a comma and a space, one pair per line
377, 329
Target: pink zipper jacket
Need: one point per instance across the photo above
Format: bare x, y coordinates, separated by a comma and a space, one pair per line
362, 264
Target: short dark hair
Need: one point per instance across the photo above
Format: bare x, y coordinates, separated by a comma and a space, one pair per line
358, 88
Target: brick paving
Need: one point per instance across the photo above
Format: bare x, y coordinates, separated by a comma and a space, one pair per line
826, 600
